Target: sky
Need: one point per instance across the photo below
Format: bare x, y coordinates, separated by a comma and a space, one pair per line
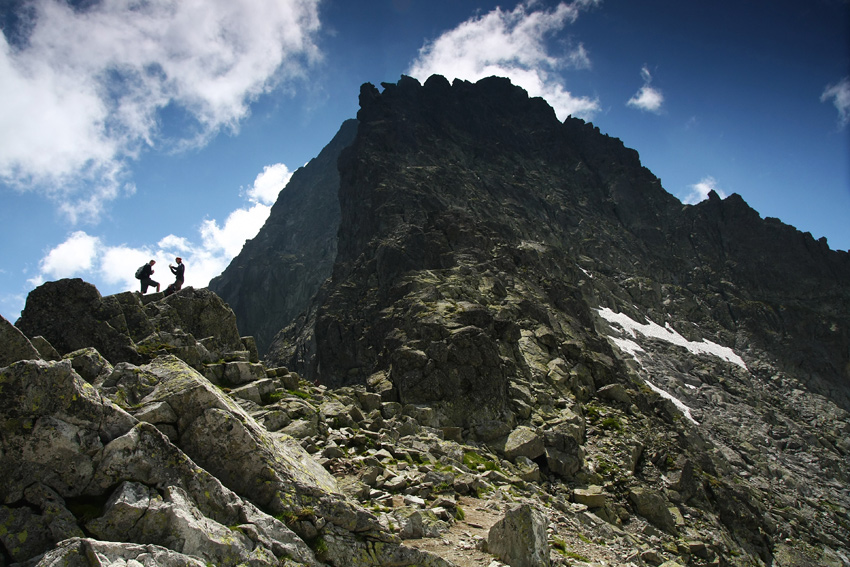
133, 130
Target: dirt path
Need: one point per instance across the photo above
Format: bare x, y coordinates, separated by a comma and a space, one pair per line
460, 544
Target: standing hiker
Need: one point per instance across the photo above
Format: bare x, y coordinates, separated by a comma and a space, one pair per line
144, 274
178, 274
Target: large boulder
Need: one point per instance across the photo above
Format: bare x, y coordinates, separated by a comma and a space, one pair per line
519, 539
194, 324
14, 346
55, 426
652, 506
86, 552
199, 312
71, 314
524, 442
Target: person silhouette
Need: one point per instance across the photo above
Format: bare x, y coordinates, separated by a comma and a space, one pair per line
178, 271
146, 272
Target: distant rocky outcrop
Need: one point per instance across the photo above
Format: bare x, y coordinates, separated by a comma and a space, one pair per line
277, 273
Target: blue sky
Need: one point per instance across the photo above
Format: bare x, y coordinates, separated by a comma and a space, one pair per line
138, 130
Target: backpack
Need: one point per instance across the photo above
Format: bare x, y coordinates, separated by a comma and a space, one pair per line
139, 271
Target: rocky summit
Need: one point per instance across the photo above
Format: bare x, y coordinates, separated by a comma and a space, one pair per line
489, 338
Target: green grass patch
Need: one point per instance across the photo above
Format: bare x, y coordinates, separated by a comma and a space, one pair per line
271, 398
473, 460
300, 394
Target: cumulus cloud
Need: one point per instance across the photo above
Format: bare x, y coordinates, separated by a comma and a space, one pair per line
512, 44
268, 184
839, 93
74, 256
699, 191
112, 267
648, 97
83, 92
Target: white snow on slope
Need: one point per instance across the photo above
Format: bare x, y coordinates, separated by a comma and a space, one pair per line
666, 333
676, 401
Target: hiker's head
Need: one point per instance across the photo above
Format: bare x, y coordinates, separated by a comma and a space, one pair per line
178, 259
152, 262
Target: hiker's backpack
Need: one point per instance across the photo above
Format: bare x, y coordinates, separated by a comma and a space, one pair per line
139, 271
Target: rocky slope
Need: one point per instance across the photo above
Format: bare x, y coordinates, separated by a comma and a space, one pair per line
526, 353
195, 454
166, 449
506, 270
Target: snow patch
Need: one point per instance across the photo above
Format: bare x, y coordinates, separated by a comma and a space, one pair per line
676, 401
628, 346
668, 334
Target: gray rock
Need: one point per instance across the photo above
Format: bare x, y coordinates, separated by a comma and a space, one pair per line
520, 539
56, 426
524, 442
36, 536
138, 513
72, 314
614, 392
90, 365
592, 496
14, 346
45, 349
652, 506
527, 469
156, 413
87, 552
491, 430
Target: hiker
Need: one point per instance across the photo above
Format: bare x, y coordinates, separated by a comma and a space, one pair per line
178, 274
144, 274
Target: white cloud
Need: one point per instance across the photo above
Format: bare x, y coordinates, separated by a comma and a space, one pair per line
74, 256
648, 97
112, 267
85, 90
118, 265
512, 44
241, 225
700, 191
840, 95
268, 184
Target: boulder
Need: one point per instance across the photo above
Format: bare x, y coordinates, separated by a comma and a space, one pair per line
90, 365
87, 552
187, 499
524, 442
564, 453
55, 427
519, 539
653, 506
71, 314
45, 349
14, 346
136, 512
616, 393
593, 496
201, 313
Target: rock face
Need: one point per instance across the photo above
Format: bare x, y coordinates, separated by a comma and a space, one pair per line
501, 269
277, 273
